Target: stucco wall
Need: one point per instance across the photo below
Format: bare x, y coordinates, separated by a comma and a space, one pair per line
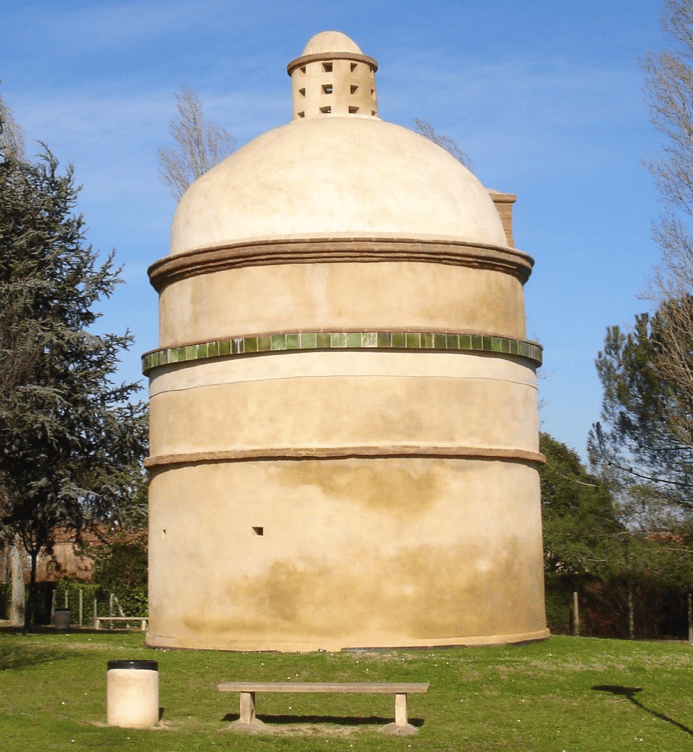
353, 552
342, 400
295, 297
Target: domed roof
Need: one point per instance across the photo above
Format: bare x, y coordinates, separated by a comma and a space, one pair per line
330, 41
336, 177
336, 171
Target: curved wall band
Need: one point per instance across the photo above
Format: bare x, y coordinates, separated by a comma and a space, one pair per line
297, 341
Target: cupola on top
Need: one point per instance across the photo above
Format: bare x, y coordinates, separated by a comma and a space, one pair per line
333, 77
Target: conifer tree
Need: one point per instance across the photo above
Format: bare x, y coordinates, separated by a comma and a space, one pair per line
71, 440
644, 439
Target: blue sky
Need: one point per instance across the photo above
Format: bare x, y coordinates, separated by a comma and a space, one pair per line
545, 97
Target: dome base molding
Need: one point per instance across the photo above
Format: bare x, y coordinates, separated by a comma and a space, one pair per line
339, 249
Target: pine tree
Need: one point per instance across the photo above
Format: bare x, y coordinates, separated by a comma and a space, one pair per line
644, 440
71, 441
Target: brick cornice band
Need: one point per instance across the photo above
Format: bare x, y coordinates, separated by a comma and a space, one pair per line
408, 341
338, 250
327, 453
318, 57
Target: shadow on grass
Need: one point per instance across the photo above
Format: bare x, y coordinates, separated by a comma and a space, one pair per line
630, 694
47, 629
14, 657
334, 719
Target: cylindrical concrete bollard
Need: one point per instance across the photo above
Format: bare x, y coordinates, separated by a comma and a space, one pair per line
132, 697
61, 618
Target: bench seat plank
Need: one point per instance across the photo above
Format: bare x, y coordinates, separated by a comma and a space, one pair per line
325, 687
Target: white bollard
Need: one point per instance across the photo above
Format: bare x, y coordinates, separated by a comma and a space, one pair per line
132, 697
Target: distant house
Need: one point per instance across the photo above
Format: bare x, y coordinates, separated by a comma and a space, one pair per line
67, 561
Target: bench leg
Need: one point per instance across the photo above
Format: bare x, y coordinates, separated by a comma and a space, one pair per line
400, 710
247, 707
401, 726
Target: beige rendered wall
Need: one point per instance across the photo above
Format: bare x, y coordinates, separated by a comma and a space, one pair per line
354, 553
295, 297
332, 400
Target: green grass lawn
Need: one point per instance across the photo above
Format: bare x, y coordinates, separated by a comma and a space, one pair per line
572, 694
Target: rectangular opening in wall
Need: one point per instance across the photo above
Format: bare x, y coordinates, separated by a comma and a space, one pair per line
326, 110
302, 69
353, 110
301, 114
327, 67
354, 89
353, 67
163, 535
258, 530
302, 92
327, 88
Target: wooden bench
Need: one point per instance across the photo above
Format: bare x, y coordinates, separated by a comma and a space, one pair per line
143, 620
400, 727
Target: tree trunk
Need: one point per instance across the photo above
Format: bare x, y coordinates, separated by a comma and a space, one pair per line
30, 616
631, 614
576, 614
17, 604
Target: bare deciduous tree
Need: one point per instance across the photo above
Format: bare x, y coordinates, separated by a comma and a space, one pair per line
669, 90
201, 145
445, 142
647, 374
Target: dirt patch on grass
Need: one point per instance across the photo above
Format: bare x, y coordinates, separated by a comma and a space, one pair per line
295, 729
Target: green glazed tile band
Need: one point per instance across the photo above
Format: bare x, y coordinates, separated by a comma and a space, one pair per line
379, 341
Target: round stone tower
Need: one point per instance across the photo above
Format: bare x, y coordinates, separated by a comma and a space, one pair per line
344, 438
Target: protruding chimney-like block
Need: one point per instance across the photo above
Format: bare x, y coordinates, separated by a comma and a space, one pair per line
504, 203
